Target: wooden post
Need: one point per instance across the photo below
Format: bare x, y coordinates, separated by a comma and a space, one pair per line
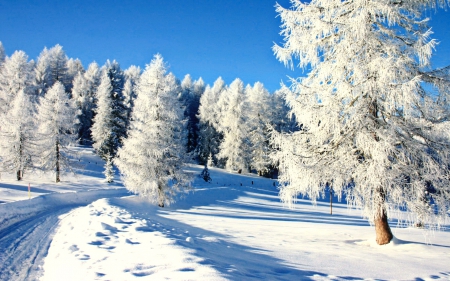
331, 200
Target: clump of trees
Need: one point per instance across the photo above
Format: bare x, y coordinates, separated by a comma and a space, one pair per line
55, 103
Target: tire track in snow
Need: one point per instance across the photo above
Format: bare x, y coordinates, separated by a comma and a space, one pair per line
25, 243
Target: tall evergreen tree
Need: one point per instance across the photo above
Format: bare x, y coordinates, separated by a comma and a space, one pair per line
84, 103
15, 76
209, 137
16, 116
235, 146
258, 121
57, 121
110, 120
190, 96
153, 154
369, 128
74, 66
51, 67
132, 75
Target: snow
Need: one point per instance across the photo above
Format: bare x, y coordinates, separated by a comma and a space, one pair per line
229, 229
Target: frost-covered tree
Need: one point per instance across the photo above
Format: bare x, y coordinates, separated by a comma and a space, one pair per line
235, 146
17, 114
17, 131
369, 128
84, 101
258, 119
57, 119
110, 120
132, 75
74, 66
190, 97
84, 93
153, 155
15, 76
42, 72
51, 66
208, 137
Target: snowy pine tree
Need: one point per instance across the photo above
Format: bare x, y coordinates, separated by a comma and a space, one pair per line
132, 75
57, 121
258, 120
51, 66
110, 120
17, 114
153, 155
369, 129
15, 76
209, 138
235, 146
74, 66
84, 101
190, 96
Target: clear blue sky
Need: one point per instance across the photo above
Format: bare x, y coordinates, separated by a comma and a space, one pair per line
200, 37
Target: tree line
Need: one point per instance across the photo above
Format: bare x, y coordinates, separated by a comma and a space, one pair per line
53, 103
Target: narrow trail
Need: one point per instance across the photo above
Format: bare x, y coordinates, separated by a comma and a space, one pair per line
25, 243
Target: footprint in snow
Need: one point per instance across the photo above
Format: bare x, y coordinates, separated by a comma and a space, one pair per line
85, 258
96, 243
110, 228
119, 220
131, 242
144, 229
73, 248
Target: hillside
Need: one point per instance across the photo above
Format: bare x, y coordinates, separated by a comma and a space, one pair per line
234, 228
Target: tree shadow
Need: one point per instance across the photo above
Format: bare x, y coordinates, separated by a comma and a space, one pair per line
24, 188
264, 205
233, 261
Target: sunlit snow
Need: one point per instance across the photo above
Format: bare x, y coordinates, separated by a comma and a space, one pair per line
229, 229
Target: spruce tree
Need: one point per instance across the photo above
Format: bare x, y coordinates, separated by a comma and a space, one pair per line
258, 121
111, 117
152, 158
17, 115
235, 146
58, 122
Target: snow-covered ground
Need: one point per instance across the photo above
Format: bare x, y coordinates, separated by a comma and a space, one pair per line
230, 229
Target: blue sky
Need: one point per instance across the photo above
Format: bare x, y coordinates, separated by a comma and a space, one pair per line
203, 38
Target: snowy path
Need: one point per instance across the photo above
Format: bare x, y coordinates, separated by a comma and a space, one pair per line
27, 228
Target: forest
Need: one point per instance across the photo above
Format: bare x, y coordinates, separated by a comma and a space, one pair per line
368, 122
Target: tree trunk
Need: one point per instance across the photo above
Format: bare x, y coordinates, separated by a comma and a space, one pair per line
57, 162
382, 229
160, 196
